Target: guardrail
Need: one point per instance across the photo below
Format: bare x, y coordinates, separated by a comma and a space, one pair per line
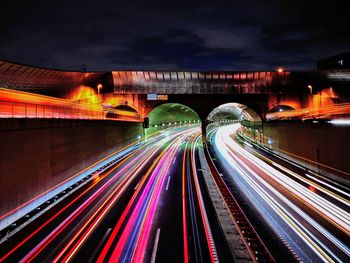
316, 112
251, 239
16, 104
29, 110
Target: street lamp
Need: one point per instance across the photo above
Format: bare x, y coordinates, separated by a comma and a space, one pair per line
310, 88
99, 87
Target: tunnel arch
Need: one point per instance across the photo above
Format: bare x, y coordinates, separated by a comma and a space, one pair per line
172, 113
122, 110
280, 107
126, 107
233, 112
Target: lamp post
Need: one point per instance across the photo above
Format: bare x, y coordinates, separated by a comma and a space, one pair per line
310, 88
313, 106
99, 87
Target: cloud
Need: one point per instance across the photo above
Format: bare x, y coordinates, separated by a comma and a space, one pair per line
206, 35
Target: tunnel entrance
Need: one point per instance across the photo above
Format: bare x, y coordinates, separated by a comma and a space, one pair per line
171, 114
121, 110
125, 107
280, 108
234, 113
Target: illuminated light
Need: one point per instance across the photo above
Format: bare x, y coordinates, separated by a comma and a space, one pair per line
74, 249
137, 229
163, 124
138, 137
280, 70
340, 122
184, 214
312, 189
280, 110
339, 76
310, 88
55, 233
156, 125
248, 144
237, 157
65, 223
209, 237
99, 87
64, 184
269, 141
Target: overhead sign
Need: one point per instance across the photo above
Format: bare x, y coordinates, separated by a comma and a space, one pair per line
162, 97
154, 96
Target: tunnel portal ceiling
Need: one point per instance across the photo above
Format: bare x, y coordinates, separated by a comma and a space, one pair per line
172, 112
233, 111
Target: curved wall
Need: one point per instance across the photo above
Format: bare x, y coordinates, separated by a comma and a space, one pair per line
37, 154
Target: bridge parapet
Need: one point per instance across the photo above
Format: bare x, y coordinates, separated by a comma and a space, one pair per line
179, 82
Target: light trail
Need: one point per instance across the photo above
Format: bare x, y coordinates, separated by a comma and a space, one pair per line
133, 172
287, 196
204, 216
19, 104
315, 112
25, 240
131, 244
42, 197
121, 185
184, 209
132, 189
129, 162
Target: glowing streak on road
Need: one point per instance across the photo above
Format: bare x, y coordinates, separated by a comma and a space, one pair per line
134, 236
260, 176
129, 240
66, 181
115, 194
81, 209
55, 216
204, 216
95, 181
184, 213
99, 216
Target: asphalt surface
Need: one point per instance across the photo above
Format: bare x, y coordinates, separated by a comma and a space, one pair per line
150, 206
303, 216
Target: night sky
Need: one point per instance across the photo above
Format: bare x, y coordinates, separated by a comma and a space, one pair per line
171, 35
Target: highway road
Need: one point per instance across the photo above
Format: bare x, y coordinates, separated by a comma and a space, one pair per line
149, 206
309, 214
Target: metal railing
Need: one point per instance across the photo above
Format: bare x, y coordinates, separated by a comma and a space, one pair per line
29, 110
16, 104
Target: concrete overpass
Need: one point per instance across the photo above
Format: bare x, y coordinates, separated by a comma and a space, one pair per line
54, 149
201, 91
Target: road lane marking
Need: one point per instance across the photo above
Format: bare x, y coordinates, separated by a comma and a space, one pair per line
99, 246
155, 246
167, 185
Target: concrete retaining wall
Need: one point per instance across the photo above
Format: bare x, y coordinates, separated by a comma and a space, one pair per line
37, 154
322, 143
